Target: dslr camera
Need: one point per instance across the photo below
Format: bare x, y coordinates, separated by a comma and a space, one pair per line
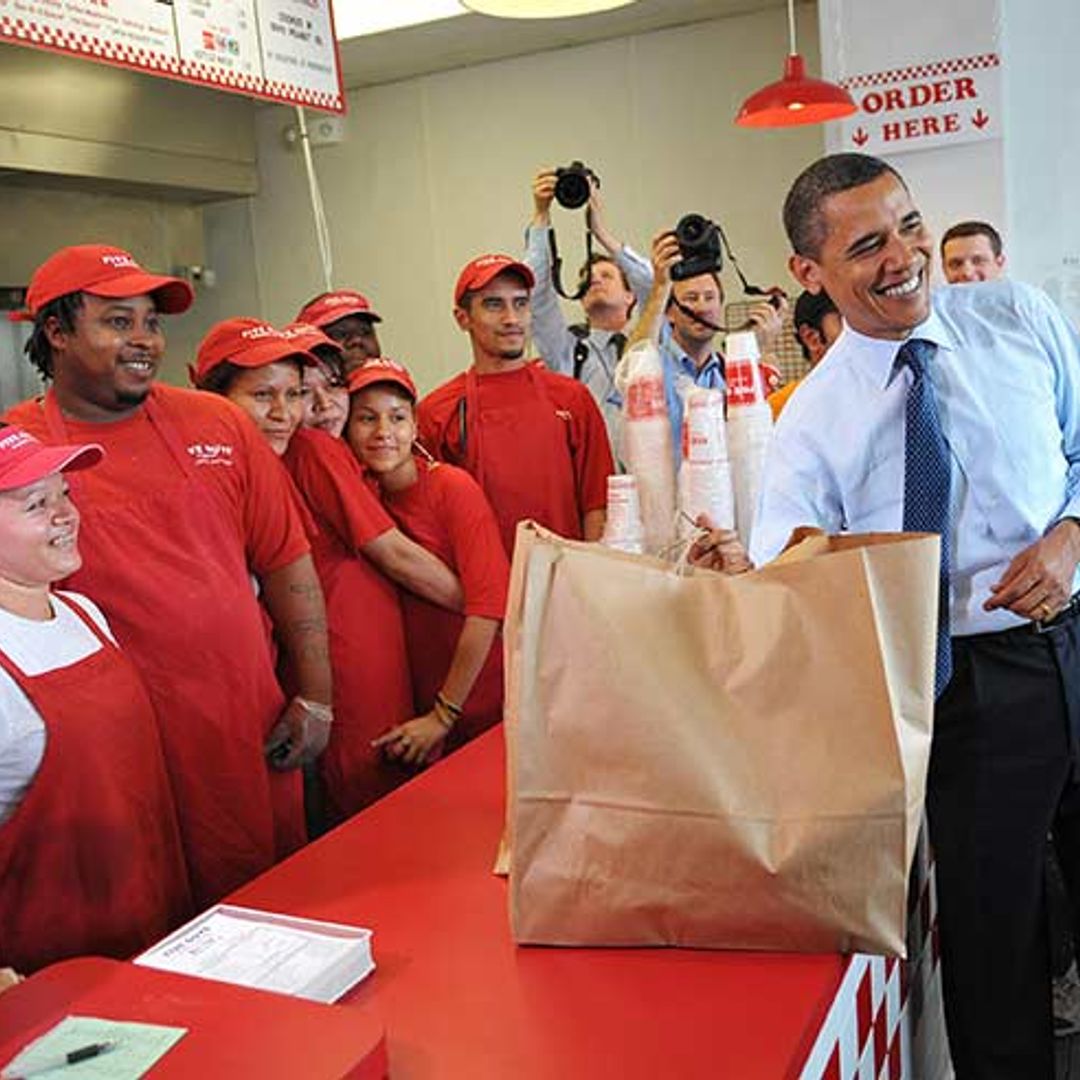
699, 246
572, 188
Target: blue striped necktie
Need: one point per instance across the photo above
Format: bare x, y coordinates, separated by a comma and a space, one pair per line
926, 482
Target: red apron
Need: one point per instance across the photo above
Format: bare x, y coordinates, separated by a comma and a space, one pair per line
90, 861
520, 455
372, 691
173, 579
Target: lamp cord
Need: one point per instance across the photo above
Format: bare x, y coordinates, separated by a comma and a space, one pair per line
791, 27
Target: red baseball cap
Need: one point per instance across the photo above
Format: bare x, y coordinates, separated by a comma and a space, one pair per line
381, 369
24, 460
339, 304
101, 271
307, 337
249, 343
484, 268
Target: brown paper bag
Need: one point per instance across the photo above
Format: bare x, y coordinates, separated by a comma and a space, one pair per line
701, 760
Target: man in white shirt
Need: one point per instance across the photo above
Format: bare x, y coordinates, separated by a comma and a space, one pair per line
960, 406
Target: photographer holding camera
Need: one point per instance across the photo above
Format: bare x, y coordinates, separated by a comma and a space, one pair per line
611, 284
685, 309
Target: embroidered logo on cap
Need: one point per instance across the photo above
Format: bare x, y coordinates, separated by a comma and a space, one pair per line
15, 440
119, 261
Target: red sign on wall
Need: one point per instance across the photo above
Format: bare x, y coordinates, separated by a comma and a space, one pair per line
944, 102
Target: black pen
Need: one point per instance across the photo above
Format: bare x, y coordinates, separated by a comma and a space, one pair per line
72, 1057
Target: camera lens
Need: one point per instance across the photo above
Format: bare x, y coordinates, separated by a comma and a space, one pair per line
572, 186
572, 191
691, 230
699, 246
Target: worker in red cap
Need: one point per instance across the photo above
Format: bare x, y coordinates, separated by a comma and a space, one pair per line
326, 397
259, 368
188, 504
456, 659
90, 856
345, 316
534, 440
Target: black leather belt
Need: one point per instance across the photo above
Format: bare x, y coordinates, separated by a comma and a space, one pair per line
1038, 626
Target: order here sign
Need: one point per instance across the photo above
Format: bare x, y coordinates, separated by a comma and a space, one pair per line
943, 102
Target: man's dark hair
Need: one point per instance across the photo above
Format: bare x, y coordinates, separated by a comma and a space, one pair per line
810, 310
600, 257
65, 309
973, 228
803, 218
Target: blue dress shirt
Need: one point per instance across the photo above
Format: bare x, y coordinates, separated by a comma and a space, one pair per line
680, 370
1007, 379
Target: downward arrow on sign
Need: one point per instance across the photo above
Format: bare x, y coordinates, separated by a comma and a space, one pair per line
859, 137
980, 119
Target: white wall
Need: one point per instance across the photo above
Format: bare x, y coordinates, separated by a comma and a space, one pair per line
437, 169
1042, 150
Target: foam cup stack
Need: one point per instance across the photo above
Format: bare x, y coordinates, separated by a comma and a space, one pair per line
705, 484
623, 529
647, 444
749, 425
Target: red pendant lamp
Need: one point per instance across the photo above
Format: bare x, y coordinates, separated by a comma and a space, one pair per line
795, 99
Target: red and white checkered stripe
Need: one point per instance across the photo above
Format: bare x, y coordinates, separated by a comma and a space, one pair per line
885, 1022
931, 70
29, 32
316, 98
865, 1034
220, 76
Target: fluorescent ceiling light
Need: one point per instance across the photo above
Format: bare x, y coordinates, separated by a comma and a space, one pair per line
355, 18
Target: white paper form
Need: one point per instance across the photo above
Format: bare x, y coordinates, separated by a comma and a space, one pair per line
288, 955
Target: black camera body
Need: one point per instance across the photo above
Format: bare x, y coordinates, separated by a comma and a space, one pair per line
699, 245
572, 188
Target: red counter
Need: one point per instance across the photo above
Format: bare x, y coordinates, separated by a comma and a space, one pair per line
232, 1031
460, 1000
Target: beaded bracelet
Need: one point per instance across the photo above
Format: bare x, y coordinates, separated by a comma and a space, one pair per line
446, 712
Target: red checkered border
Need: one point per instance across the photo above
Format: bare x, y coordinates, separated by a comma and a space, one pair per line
28, 32
863, 1027
56, 39
923, 71
880, 1002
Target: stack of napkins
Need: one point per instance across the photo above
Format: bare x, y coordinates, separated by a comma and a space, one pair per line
306, 958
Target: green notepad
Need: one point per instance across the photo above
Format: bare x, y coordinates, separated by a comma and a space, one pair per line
138, 1047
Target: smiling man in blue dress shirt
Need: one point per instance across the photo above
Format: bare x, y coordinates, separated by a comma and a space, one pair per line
1004, 376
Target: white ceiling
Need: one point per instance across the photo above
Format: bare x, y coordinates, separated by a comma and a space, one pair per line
473, 39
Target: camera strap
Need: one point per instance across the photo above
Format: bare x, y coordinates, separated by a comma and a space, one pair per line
696, 317
556, 264
747, 288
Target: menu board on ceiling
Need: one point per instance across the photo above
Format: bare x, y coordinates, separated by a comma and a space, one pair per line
281, 50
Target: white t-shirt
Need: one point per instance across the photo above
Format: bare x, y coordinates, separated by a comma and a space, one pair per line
36, 646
